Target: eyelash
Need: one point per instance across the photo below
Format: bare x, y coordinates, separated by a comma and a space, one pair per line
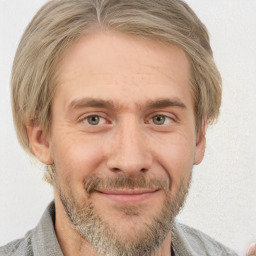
91, 116
149, 121
161, 116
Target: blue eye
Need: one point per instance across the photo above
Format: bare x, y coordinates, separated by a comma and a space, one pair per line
94, 120
160, 119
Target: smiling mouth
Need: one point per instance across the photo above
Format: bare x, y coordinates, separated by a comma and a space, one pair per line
129, 196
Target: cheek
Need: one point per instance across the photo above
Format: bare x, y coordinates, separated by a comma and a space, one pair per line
176, 156
75, 155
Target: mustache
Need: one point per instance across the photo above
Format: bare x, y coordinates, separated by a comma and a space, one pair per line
125, 182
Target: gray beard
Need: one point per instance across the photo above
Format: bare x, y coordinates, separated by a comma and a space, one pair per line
103, 237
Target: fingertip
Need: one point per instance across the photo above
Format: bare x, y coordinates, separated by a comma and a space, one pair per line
251, 250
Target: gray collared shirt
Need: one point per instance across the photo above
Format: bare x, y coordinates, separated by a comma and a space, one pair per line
42, 241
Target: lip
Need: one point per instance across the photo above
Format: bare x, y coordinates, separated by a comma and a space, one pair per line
130, 196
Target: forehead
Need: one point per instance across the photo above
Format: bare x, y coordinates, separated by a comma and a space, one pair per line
114, 66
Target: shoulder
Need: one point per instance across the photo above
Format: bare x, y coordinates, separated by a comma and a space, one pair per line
190, 241
20, 247
41, 240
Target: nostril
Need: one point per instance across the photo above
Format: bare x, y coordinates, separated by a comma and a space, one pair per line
115, 169
143, 170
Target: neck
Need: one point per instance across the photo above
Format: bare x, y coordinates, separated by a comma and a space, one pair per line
165, 249
71, 243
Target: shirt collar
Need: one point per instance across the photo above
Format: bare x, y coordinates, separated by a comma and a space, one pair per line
44, 240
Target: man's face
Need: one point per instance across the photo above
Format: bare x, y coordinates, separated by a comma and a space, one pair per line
123, 138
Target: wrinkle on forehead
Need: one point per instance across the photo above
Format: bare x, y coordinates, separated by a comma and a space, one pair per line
112, 105
125, 69
111, 47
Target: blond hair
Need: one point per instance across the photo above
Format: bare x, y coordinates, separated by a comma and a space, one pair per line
60, 23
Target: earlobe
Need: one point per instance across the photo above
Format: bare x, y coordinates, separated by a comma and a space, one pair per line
39, 143
200, 145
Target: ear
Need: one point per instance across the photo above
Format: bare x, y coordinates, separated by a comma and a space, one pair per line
200, 145
39, 143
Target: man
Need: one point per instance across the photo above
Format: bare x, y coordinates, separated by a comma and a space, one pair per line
114, 97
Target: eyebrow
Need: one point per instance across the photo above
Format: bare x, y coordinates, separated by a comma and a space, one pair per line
164, 103
91, 102
109, 104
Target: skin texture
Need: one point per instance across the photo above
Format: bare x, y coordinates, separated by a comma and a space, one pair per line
123, 109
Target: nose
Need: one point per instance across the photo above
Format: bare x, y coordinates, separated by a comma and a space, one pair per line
129, 151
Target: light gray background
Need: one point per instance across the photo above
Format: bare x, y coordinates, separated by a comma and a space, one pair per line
222, 201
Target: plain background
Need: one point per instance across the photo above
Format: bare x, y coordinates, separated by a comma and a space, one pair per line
222, 200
